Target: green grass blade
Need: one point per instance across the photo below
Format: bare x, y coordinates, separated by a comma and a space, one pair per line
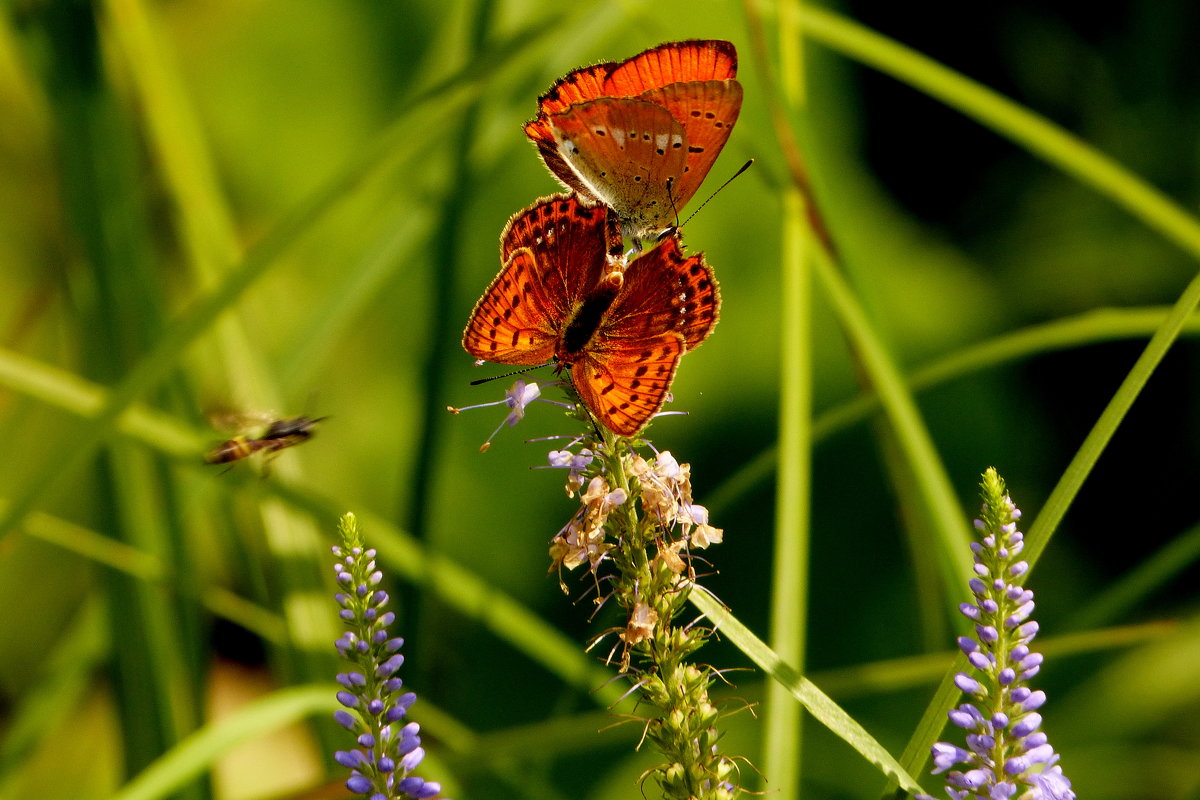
1092, 168
783, 729
459, 588
816, 702
196, 754
398, 143
912, 437
1102, 325
1157, 571
403, 231
1042, 138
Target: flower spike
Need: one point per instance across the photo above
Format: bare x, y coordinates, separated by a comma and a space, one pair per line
1007, 754
373, 697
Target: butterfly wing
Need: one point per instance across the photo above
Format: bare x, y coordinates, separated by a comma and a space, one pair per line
511, 323
628, 154
672, 62
707, 110
667, 63
625, 382
665, 291
577, 241
667, 305
553, 251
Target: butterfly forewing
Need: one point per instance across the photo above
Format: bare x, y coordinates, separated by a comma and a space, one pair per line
671, 62
575, 244
628, 154
707, 110
554, 252
512, 323
665, 291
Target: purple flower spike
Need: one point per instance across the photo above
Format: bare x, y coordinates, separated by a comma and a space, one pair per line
371, 690
1008, 756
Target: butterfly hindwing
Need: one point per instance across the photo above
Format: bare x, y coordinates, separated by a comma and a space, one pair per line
667, 305
511, 323
625, 382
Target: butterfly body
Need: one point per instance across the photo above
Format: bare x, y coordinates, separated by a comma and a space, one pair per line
616, 326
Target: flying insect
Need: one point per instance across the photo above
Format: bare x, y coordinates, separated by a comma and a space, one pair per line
279, 435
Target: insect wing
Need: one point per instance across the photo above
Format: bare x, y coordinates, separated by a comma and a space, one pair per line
671, 62
665, 291
625, 382
510, 323
668, 305
707, 111
628, 154
554, 252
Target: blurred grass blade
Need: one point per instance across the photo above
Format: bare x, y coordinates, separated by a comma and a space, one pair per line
148, 568
1091, 327
402, 141
917, 463
197, 753
912, 437
402, 232
895, 675
992, 110
816, 702
1156, 572
68, 674
783, 723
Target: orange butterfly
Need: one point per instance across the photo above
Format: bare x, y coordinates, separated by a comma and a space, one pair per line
640, 135
567, 294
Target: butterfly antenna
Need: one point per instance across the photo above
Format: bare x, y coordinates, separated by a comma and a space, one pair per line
731, 179
481, 381
671, 197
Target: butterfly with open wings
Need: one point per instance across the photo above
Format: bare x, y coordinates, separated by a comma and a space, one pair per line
566, 294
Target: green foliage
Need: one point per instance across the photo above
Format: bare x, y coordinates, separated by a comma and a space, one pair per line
290, 208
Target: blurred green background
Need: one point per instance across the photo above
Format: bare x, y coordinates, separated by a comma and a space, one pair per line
349, 166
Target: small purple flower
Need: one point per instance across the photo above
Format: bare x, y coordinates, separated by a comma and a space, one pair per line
1008, 756
517, 397
373, 698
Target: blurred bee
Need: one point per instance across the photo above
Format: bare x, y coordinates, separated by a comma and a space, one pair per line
280, 434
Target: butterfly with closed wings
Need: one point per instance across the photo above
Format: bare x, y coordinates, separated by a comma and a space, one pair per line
640, 135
